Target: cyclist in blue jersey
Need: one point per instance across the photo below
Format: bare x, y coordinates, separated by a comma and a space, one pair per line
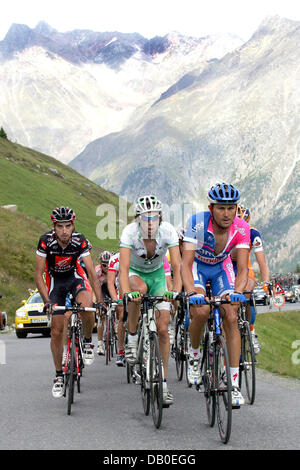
209, 238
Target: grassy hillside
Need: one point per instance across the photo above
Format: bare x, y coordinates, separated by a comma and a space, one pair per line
37, 183
278, 334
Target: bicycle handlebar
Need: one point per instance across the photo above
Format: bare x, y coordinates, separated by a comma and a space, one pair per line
63, 308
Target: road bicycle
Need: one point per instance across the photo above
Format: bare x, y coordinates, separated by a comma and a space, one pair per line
149, 363
180, 348
110, 332
247, 359
215, 372
74, 362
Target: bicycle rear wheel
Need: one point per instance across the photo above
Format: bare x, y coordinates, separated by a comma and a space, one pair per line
207, 368
178, 352
247, 364
223, 389
156, 381
72, 373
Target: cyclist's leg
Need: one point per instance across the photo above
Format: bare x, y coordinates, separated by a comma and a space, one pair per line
57, 295
134, 308
57, 340
222, 285
120, 327
199, 315
139, 285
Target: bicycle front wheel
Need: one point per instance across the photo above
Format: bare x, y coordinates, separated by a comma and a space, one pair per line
156, 381
207, 368
223, 389
107, 340
247, 363
72, 373
178, 352
145, 389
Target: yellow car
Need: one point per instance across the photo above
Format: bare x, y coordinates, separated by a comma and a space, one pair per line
30, 317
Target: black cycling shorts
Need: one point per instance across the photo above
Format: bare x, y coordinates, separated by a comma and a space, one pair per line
60, 287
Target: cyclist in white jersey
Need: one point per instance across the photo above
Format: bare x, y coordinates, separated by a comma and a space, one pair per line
143, 246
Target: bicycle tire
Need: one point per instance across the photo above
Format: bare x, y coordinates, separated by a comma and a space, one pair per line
207, 369
107, 340
129, 372
247, 364
72, 371
145, 390
179, 362
156, 380
222, 383
186, 338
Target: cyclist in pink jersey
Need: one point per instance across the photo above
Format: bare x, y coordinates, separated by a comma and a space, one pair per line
209, 239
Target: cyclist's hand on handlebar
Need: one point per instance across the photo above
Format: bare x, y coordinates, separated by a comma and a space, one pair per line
134, 296
198, 299
237, 297
267, 287
98, 306
48, 308
170, 295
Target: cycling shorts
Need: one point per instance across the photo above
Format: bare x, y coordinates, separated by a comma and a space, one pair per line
60, 287
220, 275
155, 282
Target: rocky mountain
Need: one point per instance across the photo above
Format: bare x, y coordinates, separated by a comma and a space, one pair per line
60, 91
235, 118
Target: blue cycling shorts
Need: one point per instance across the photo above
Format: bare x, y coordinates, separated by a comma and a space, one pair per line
220, 275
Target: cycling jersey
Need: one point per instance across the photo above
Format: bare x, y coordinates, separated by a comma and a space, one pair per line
103, 280
167, 267
64, 274
256, 245
207, 265
132, 238
113, 266
63, 261
200, 232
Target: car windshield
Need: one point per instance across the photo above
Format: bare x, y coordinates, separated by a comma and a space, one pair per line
35, 299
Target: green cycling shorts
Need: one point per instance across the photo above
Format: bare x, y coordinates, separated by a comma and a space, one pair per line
155, 281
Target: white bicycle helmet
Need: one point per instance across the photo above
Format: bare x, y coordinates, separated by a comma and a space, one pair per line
147, 204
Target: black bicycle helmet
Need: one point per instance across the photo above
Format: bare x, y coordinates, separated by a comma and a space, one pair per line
63, 214
223, 193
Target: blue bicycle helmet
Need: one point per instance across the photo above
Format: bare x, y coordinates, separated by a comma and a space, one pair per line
223, 193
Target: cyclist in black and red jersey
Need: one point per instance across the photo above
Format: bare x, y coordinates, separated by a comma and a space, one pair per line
57, 255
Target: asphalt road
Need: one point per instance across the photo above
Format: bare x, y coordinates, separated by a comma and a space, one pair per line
108, 414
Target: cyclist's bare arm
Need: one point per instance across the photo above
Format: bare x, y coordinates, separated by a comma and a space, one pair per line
124, 270
263, 268
188, 256
111, 277
175, 262
93, 278
242, 255
40, 264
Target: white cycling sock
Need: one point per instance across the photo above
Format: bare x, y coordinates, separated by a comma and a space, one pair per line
132, 338
234, 372
194, 352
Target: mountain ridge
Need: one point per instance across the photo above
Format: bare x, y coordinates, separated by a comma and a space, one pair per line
236, 119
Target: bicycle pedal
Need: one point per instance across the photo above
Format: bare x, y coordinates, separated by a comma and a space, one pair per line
236, 407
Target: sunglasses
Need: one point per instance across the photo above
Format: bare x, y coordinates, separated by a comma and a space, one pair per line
150, 218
